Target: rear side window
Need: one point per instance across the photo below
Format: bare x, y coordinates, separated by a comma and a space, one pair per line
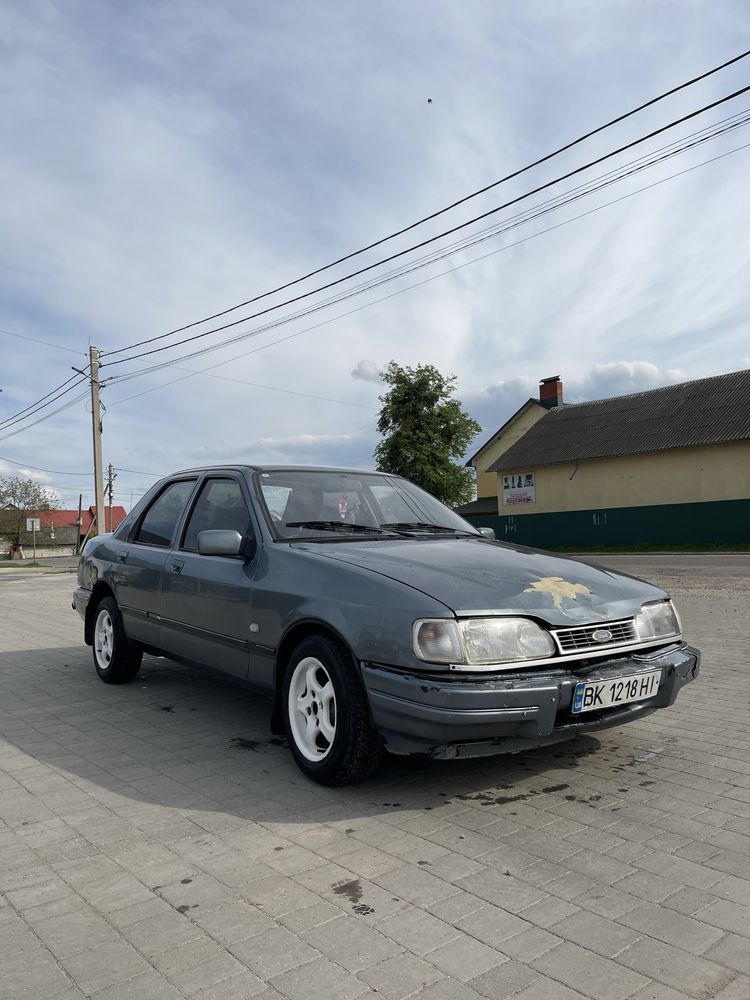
219, 506
157, 527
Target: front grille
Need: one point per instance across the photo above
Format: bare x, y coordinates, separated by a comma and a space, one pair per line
572, 640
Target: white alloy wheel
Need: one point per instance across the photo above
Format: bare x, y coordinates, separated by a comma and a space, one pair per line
104, 639
312, 709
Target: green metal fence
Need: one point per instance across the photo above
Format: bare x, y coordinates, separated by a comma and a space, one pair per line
719, 522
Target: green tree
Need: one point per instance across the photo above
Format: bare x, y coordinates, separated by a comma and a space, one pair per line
19, 499
423, 430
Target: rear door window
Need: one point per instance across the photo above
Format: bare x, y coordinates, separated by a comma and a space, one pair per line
162, 517
220, 505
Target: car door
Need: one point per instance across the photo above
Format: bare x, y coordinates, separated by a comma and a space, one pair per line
138, 561
205, 605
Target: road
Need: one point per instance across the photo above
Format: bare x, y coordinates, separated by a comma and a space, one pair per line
156, 842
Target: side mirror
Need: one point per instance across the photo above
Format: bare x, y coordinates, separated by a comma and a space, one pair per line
219, 543
486, 532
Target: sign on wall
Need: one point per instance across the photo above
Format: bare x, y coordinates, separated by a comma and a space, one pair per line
519, 489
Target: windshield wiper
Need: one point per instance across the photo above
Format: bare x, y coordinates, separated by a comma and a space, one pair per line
336, 526
425, 526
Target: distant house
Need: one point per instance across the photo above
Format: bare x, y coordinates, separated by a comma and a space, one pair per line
669, 466
63, 522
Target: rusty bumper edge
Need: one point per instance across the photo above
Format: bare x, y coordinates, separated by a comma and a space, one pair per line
464, 717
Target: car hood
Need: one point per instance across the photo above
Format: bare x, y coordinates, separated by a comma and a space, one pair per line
473, 575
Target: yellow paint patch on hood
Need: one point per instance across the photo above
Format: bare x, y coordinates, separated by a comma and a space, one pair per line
558, 589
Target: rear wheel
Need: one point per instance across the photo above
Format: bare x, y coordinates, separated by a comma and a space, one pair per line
331, 735
116, 661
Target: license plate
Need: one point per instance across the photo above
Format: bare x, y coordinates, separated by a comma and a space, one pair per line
592, 695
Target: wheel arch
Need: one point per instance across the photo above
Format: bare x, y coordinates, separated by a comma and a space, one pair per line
101, 589
294, 635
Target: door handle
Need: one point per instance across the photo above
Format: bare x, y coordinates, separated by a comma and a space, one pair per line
122, 556
176, 565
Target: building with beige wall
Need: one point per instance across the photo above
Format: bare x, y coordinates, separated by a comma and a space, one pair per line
666, 466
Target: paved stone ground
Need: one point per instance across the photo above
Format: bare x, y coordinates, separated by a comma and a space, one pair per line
155, 843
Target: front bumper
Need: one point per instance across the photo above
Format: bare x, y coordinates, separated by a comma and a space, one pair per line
81, 601
506, 713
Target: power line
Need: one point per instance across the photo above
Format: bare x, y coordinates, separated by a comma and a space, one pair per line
606, 180
425, 281
65, 406
35, 340
14, 417
137, 472
448, 232
447, 208
36, 468
274, 388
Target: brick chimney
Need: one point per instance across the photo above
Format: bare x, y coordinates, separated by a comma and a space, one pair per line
551, 392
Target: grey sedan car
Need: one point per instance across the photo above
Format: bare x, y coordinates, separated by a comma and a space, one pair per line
374, 617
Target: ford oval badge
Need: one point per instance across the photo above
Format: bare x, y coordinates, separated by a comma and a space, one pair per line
601, 635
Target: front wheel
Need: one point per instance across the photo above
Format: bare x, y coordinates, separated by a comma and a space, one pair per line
331, 735
116, 661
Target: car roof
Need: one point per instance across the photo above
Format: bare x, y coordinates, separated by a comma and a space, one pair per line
238, 466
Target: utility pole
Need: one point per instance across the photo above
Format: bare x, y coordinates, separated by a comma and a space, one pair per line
111, 476
96, 423
79, 522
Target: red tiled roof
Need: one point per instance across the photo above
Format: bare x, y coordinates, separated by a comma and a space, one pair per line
68, 518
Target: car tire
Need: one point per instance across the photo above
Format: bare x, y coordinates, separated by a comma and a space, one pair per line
115, 659
326, 715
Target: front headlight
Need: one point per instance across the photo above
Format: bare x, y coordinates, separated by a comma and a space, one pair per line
481, 640
658, 620
437, 641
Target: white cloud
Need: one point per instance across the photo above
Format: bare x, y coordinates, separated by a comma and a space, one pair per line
619, 378
367, 371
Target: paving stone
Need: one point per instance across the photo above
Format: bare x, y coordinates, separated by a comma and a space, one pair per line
71, 933
448, 989
676, 968
596, 977
529, 944
548, 911
417, 931
400, 976
193, 978
492, 925
464, 958
729, 916
501, 889
351, 943
245, 986
273, 952
548, 989
672, 928
159, 933
504, 980
415, 884
646, 885
319, 980
688, 901
597, 933
106, 965
232, 921
148, 986
732, 951
738, 990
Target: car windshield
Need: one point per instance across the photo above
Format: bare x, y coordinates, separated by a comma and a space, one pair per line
307, 503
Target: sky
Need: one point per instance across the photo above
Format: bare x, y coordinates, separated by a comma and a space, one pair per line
163, 161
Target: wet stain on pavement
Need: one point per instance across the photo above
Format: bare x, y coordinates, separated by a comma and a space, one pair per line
352, 890
243, 744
